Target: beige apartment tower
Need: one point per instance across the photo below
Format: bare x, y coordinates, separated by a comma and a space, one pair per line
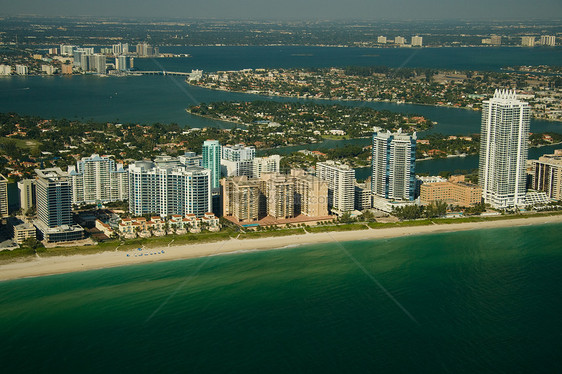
280, 195
3, 196
241, 198
547, 175
311, 194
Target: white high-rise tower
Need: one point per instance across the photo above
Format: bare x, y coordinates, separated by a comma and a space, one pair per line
503, 150
393, 165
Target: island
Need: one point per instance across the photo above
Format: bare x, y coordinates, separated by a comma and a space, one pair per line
462, 89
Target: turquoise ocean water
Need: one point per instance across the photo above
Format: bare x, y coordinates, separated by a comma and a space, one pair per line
485, 301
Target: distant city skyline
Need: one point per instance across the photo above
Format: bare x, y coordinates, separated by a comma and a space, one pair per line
292, 9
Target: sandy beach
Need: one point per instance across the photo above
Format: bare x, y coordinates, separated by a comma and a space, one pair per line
66, 264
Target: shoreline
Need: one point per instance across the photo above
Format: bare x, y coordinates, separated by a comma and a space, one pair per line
44, 266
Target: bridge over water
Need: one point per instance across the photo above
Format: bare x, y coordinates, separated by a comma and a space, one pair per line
161, 72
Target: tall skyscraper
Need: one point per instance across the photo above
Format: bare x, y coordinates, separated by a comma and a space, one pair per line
120, 49
311, 194
238, 152
237, 160
399, 40
99, 63
26, 189
241, 198
417, 41
393, 165
212, 161
22, 70
81, 59
267, 164
54, 206
98, 179
548, 40
527, 41
503, 149
166, 188
67, 50
5, 70
341, 187
279, 191
121, 63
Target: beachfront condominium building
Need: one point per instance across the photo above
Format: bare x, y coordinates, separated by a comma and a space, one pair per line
21, 230
453, 193
54, 206
363, 195
381, 39
279, 190
548, 40
167, 188
341, 188
3, 196
547, 175
393, 165
280, 196
212, 161
503, 150
98, 179
311, 194
242, 198
417, 41
26, 190
527, 41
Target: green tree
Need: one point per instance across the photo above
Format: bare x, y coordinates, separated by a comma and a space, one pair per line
33, 244
346, 218
408, 212
368, 216
436, 209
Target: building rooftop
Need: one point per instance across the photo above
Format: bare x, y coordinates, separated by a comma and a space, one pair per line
52, 174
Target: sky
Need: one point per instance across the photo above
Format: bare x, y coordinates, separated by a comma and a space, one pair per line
293, 9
